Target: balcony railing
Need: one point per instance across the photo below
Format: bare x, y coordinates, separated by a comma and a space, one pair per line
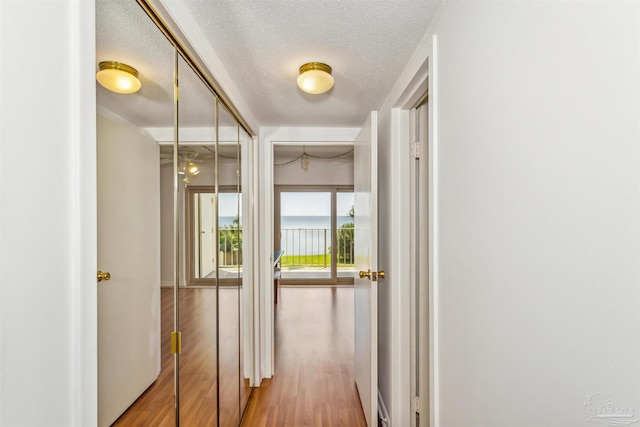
230, 252
311, 247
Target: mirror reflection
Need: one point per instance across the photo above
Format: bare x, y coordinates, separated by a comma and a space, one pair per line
198, 361
181, 266
135, 366
228, 268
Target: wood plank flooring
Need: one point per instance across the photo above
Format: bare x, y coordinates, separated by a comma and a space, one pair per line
314, 382
198, 379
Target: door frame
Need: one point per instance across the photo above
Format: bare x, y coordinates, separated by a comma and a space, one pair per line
420, 266
269, 138
417, 78
421, 86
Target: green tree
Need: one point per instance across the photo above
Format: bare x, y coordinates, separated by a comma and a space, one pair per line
345, 240
231, 236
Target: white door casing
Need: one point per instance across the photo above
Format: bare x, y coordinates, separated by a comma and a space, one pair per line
366, 258
129, 248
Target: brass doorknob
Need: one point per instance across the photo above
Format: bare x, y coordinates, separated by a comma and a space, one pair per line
364, 274
103, 276
373, 275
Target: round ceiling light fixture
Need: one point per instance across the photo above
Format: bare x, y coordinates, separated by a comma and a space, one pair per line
315, 78
118, 77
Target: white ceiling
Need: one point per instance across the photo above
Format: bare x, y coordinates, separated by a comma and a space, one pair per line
261, 44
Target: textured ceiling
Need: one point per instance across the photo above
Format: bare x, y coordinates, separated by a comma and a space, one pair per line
262, 43
124, 33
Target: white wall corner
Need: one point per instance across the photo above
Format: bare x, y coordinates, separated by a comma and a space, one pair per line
41, 311
84, 317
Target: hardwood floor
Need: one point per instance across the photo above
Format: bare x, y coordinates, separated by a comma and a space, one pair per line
198, 367
313, 384
314, 381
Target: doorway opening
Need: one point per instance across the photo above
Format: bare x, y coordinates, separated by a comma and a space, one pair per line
314, 227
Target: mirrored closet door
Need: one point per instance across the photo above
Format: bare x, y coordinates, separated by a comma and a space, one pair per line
135, 316
178, 168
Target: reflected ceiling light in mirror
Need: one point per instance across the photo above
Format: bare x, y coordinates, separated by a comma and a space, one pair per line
187, 166
118, 77
315, 78
193, 168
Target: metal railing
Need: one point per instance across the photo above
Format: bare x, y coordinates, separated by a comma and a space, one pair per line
311, 247
230, 251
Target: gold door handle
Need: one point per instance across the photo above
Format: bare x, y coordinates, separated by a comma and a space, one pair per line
364, 274
373, 275
103, 276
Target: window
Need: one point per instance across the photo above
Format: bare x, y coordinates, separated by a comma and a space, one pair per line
315, 229
202, 235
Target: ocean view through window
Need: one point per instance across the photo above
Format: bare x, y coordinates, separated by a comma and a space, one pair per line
208, 255
311, 224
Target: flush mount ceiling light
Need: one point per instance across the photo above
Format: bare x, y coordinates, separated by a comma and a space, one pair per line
315, 78
118, 77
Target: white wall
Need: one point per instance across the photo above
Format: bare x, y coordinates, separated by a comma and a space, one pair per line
536, 108
47, 214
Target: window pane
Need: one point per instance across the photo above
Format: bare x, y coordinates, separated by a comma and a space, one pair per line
344, 205
229, 221
305, 225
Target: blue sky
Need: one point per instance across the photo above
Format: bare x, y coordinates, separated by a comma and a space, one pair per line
228, 204
294, 204
313, 203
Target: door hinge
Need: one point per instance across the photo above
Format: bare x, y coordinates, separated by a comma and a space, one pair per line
416, 404
415, 150
176, 342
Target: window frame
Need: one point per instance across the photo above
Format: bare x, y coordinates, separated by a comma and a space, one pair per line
334, 280
189, 233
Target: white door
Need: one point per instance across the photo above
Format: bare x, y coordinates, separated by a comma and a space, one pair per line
129, 248
366, 259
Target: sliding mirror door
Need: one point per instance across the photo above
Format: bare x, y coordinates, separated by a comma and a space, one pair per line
244, 272
229, 267
135, 370
175, 328
198, 310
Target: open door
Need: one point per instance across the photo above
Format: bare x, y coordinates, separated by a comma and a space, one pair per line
366, 263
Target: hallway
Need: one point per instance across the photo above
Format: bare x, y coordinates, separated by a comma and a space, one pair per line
314, 382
